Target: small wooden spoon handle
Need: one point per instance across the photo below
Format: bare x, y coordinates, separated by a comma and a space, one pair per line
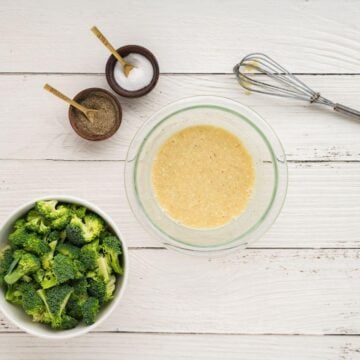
60, 95
105, 41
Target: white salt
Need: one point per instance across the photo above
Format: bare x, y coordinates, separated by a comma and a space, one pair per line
139, 77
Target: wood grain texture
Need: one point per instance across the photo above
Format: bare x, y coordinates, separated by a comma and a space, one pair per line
250, 292
186, 36
274, 301
322, 207
36, 124
186, 347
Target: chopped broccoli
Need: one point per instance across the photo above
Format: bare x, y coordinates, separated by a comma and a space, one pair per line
32, 303
60, 264
55, 300
112, 249
13, 294
103, 268
27, 264
46, 279
69, 250
67, 322
80, 231
17, 237
89, 254
80, 288
6, 259
34, 244
63, 268
20, 223
46, 260
90, 309
78, 210
77, 299
17, 254
103, 291
79, 269
60, 223
49, 209
35, 222
54, 236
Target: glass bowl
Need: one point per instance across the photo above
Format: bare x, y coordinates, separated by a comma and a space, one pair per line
257, 136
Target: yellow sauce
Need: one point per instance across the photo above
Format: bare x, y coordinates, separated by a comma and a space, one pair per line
203, 176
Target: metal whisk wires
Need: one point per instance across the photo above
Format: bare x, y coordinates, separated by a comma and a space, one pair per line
278, 82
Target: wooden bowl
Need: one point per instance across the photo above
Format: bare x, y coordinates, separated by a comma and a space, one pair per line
124, 51
73, 114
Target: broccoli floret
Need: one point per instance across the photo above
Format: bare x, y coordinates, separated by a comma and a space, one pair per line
103, 268
90, 309
89, 254
68, 250
49, 209
78, 210
112, 249
80, 289
103, 291
46, 279
32, 303
13, 294
55, 300
54, 236
67, 322
17, 254
46, 260
79, 269
78, 298
35, 222
80, 231
19, 223
6, 259
61, 222
34, 244
27, 264
63, 268
18, 236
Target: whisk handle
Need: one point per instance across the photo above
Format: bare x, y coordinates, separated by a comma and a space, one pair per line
347, 111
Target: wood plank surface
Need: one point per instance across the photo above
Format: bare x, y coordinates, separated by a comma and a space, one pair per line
250, 292
37, 126
187, 36
294, 294
322, 207
107, 346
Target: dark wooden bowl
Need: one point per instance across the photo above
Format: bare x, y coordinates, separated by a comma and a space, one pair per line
73, 114
124, 51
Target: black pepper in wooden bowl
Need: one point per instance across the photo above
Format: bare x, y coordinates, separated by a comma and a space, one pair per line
106, 120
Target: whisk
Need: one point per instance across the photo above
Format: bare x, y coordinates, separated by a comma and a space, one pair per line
280, 82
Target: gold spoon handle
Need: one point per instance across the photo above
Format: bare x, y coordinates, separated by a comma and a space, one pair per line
60, 95
105, 41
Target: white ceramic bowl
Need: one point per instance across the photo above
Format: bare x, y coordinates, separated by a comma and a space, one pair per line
18, 316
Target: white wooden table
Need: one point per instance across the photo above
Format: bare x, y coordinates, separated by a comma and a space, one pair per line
296, 293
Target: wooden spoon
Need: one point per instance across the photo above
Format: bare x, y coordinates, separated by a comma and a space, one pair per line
126, 66
89, 113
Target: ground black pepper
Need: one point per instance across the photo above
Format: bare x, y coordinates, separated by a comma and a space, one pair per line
104, 120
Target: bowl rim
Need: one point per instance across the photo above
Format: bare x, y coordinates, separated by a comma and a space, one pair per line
275, 148
66, 334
